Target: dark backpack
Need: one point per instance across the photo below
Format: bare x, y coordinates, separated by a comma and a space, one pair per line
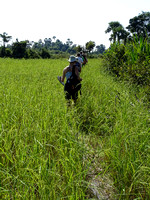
72, 84
78, 65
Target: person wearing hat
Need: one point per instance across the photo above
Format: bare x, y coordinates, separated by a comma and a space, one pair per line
84, 58
67, 72
80, 60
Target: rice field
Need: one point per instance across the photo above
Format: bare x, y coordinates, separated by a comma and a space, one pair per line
96, 149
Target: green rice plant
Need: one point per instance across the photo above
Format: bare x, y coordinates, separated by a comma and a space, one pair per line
41, 157
47, 149
115, 112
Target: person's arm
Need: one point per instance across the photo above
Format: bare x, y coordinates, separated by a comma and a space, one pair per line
64, 73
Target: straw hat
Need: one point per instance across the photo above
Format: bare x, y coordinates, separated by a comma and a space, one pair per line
72, 59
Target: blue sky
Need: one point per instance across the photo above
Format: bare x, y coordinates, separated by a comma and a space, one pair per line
79, 20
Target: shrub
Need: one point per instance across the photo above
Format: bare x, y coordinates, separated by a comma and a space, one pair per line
131, 61
45, 53
32, 54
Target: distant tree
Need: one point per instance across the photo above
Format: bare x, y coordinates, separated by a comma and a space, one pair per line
140, 25
100, 49
35, 45
5, 38
64, 47
90, 45
2, 52
122, 35
78, 48
47, 42
19, 49
58, 45
72, 49
117, 32
41, 45
29, 44
38, 45
8, 52
45, 53
54, 38
32, 53
69, 42
112, 29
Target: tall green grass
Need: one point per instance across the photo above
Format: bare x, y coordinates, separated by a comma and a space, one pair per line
116, 113
47, 149
41, 157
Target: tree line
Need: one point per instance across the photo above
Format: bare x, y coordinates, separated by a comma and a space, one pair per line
48, 48
139, 26
128, 56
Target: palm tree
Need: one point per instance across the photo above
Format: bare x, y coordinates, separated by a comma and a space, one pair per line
69, 42
5, 38
54, 38
140, 25
113, 26
90, 46
118, 32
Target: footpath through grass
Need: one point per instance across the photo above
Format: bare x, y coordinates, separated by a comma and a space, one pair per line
48, 151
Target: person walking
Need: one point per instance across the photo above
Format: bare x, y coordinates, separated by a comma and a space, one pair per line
84, 58
80, 60
73, 80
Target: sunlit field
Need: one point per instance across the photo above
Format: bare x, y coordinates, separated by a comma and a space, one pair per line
51, 151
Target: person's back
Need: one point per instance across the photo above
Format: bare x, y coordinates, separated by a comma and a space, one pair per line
73, 83
80, 60
84, 58
78, 64
73, 80
68, 72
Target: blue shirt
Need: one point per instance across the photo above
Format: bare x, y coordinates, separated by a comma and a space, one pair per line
68, 74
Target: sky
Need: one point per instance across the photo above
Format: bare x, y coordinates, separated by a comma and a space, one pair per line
79, 20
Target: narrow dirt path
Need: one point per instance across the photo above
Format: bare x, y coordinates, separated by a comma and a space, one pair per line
100, 183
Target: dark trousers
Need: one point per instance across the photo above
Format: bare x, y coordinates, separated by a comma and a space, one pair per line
73, 96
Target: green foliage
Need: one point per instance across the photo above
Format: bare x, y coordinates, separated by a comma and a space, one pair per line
140, 25
78, 48
100, 49
47, 149
41, 156
118, 33
5, 52
32, 54
5, 38
19, 49
116, 112
90, 45
8, 52
114, 58
2, 52
45, 53
131, 61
